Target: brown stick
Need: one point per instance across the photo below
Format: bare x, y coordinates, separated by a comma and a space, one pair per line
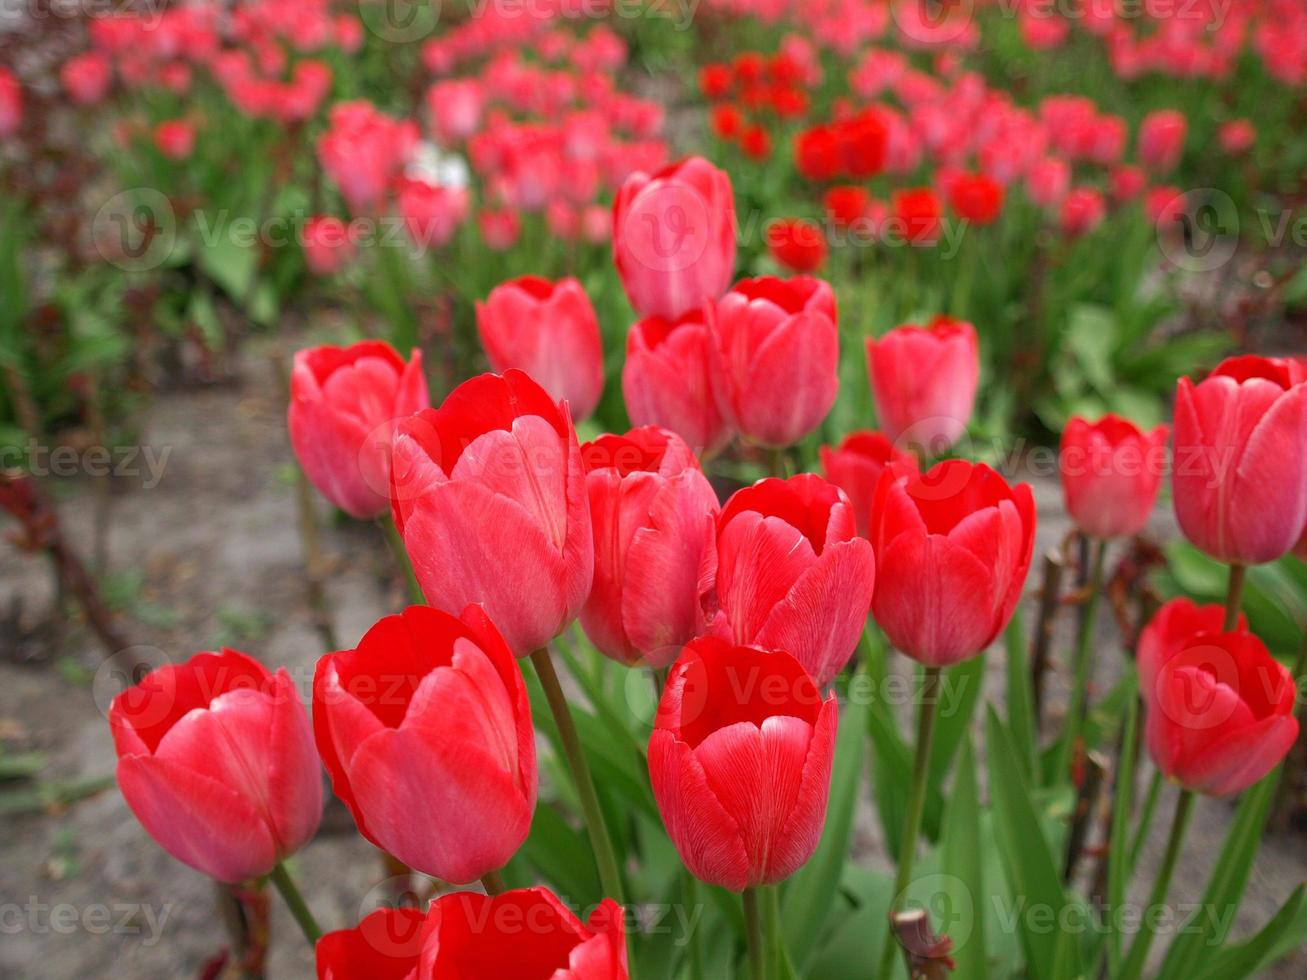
1089, 768
1050, 594
244, 912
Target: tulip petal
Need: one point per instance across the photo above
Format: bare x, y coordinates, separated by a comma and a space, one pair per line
294, 773
792, 381
759, 560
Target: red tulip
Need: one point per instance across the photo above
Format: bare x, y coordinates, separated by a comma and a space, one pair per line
740, 761
342, 403
86, 77
792, 573
1111, 472
215, 758
924, 381
429, 718
797, 245
953, 547
977, 198
846, 204
488, 492
384, 946
1219, 706
528, 932
549, 330
674, 237
855, 467
11, 103
1240, 470
1161, 140
666, 380
917, 214
1082, 211
776, 357
175, 138
654, 516
328, 244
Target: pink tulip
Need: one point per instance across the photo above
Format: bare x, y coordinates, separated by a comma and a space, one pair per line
549, 330
1161, 140
924, 382
343, 404
489, 495
1240, 459
431, 212
11, 103
86, 77
328, 244
654, 517
363, 150
674, 237
1111, 472
667, 380
776, 367
216, 760
855, 467
455, 106
175, 138
792, 573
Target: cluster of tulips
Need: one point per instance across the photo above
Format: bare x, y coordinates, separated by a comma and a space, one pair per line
746, 612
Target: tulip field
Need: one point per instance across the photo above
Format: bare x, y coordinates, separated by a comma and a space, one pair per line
653, 489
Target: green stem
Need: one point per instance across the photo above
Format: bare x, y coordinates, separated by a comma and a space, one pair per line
753, 930
397, 549
493, 883
1145, 821
605, 858
1234, 596
1078, 709
295, 902
926, 716
1134, 964
771, 928
690, 896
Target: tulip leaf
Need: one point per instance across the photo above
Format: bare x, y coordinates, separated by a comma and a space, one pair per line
1119, 835
811, 892
1286, 932
560, 854
960, 693
1020, 709
1225, 887
1031, 867
962, 882
855, 943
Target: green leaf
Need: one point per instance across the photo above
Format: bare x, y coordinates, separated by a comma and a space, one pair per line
1119, 839
963, 684
963, 890
1030, 864
1285, 932
811, 892
1020, 701
559, 854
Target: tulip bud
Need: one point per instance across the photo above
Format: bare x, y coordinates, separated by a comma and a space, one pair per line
654, 516
792, 573
855, 467
776, 368
384, 946
667, 380
1111, 472
674, 237
953, 547
1240, 459
549, 330
429, 716
488, 493
740, 761
924, 381
216, 760
1219, 706
527, 932
342, 400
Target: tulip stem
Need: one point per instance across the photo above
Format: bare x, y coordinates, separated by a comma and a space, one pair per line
493, 883
771, 928
753, 928
1078, 709
926, 715
690, 896
295, 902
396, 543
1134, 964
600, 842
1234, 596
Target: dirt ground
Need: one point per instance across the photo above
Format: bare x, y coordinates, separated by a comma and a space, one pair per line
210, 555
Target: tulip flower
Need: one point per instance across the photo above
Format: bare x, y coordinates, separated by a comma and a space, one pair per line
1240, 459
1111, 472
342, 403
11, 103
328, 244
776, 357
528, 932
432, 212
792, 573
216, 760
86, 77
796, 245
654, 516
455, 107
384, 946
740, 761
953, 547
977, 198
363, 150
428, 720
855, 466
924, 381
667, 381
489, 496
674, 237
1082, 211
917, 214
549, 330
1161, 140
1219, 706
175, 138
